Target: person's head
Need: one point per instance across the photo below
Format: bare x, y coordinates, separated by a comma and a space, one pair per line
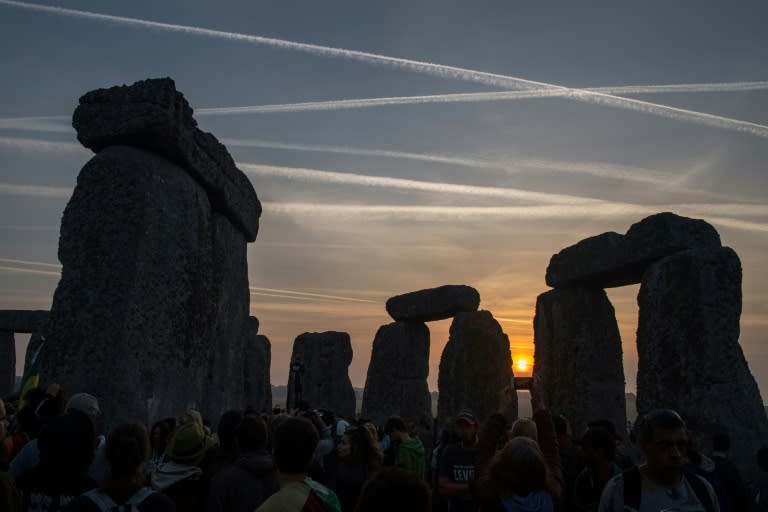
251, 434
524, 427
721, 442
358, 446
598, 446
126, 451
395, 489
396, 428
189, 444
466, 426
664, 441
86, 404
519, 468
295, 440
226, 428
190, 416
67, 444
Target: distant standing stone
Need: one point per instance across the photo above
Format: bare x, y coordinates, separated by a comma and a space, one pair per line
396, 383
434, 303
475, 366
258, 357
323, 379
578, 357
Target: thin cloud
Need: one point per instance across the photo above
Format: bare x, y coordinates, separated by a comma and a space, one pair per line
42, 145
310, 295
35, 191
511, 164
29, 271
32, 263
340, 178
491, 79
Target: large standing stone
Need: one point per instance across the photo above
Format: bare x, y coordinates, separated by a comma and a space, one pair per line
578, 357
475, 366
610, 259
258, 359
688, 347
19, 320
323, 381
151, 313
396, 383
433, 303
7, 362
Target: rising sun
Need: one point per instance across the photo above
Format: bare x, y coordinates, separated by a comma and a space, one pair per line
522, 364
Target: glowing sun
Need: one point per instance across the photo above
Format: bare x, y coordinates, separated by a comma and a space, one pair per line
522, 364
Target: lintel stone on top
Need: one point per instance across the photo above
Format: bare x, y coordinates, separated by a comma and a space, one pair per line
610, 259
153, 115
434, 303
20, 320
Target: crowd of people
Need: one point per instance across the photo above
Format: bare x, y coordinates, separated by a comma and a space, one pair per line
53, 457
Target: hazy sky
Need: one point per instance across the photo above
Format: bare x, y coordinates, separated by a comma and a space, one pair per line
367, 199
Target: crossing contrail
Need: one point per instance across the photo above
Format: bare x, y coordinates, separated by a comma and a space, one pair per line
27, 262
308, 294
439, 70
480, 97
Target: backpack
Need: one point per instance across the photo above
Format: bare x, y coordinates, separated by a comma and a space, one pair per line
633, 482
107, 504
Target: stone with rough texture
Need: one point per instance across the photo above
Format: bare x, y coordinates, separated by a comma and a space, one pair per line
152, 307
433, 303
324, 382
688, 347
610, 259
19, 320
258, 358
475, 366
153, 115
578, 357
7, 362
396, 383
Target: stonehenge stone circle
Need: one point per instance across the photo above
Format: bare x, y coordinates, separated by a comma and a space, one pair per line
578, 356
323, 380
475, 366
396, 383
151, 312
433, 303
688, 346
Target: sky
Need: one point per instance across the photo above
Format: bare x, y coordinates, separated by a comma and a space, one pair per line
397, 146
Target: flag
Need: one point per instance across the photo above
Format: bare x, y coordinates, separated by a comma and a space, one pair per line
32, 376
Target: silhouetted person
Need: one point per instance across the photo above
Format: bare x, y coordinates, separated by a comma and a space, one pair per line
734, 496
599, 448
394, 489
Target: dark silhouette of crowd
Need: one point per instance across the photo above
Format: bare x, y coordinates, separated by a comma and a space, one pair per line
53, 457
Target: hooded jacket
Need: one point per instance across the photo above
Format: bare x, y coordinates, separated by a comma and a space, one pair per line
243, 485
410, 455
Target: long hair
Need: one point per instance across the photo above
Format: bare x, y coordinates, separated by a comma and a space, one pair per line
519, 468
363, 447
126, 451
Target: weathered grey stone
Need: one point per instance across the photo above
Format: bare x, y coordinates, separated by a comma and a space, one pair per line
578, 357
433, 303
19, 320
258, 358
610, 259
324, 382
689, 354
153, 283
396, 383
475, 366
153, 115
7, 362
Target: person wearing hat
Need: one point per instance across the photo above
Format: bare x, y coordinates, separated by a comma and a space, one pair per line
182, 478
457, 467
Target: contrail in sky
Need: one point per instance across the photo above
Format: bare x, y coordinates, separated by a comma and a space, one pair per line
480, 97
316, 175
29, 271
13, 189
308, 294
43, 145
27, 262
443, 71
